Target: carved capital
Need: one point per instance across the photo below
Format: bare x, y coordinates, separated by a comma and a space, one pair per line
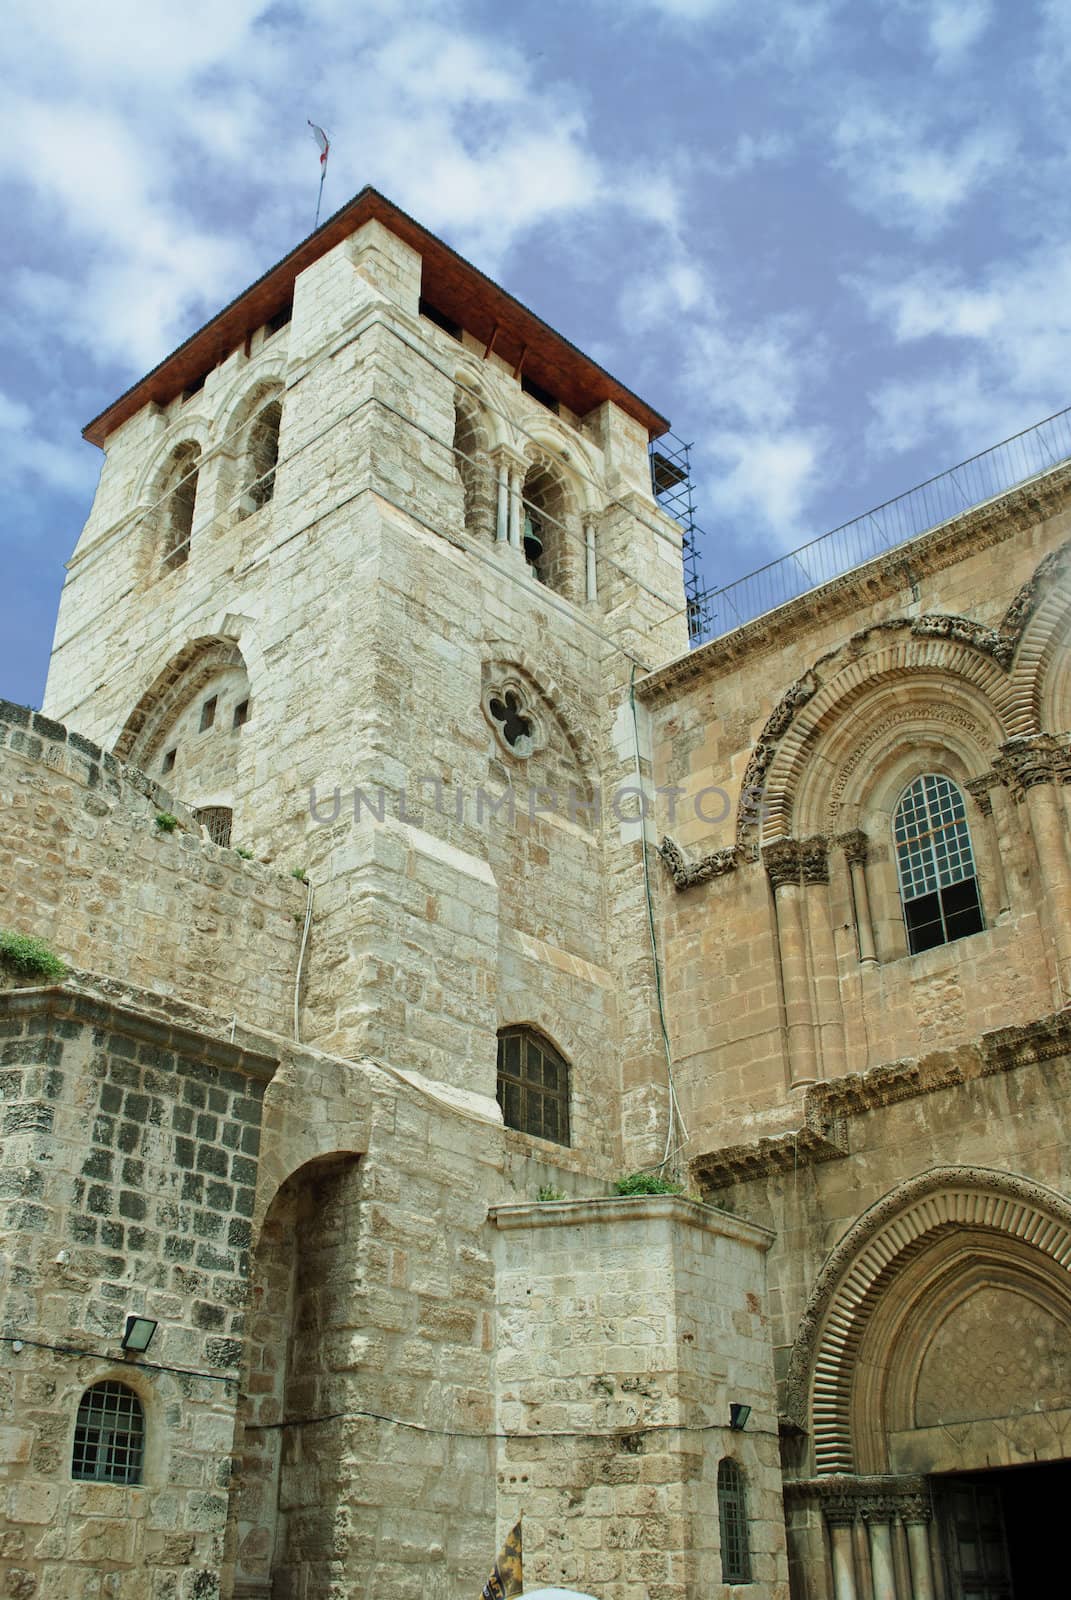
814, 858
978, 789
1032, 759
855, 846
840, 1513
916, 1508
781, 858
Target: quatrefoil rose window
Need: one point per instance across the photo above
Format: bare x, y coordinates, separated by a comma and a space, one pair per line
507, 709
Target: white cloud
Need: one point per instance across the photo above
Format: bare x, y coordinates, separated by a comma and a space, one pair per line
1006, 355
955, 27
25, 454
903, 177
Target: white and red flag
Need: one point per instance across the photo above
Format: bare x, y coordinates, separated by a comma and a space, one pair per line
325, 144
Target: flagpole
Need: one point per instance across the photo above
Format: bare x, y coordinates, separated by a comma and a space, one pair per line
325, 145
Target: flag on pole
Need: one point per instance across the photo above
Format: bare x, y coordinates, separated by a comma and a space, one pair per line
507, 1574
325, 145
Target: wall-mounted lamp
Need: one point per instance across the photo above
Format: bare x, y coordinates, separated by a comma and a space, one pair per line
137, 1335
738, 1415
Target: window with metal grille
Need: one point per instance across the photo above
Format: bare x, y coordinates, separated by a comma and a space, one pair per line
938, 881
533, 1085
217, 819
732, 1515
109, 1435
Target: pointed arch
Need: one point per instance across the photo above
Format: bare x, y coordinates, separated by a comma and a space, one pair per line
472, 462
174, 686
880, 1246
552, 534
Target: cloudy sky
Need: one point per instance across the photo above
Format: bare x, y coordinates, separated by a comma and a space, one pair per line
829, 238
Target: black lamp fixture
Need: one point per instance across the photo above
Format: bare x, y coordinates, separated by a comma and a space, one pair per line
738, 1415
137, 1335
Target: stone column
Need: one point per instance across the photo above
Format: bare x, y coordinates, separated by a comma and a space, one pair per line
825, 978
591, 585
502, 514
516, 508
916, 1514
882, 1565
841, 1538
978, 788
1031, 767
854, 846
782, 862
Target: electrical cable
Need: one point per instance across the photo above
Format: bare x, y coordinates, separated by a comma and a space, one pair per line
674, 1105
99, 1355
300, 964
627, 1431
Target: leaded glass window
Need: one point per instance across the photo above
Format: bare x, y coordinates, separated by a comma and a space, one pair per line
732, 1515
935, 862
533, 1085
109, 1435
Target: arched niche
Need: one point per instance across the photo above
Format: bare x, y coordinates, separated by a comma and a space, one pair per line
186, 731
551, 533
937, 1260
289, 1486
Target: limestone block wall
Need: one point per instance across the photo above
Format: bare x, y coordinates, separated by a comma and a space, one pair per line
781, 751
625, 1328
128, 1160
84, 866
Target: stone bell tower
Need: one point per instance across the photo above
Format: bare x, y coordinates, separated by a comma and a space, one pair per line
372, 563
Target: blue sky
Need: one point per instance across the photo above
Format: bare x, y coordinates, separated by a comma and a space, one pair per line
828, 238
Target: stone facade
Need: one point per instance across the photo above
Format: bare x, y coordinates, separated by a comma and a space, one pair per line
374, 572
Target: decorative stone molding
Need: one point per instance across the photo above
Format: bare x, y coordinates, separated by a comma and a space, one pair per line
846, 1497
884, 577
685, 874
782, 862
506, 704
1031, 759
797, 860
999, 645
855, 845
174, 686
861, 1266
814, 858
978, 789
823, 1136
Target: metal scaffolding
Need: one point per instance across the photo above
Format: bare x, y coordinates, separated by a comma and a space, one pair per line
671, 481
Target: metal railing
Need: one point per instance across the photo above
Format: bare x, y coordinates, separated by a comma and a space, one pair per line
993, 472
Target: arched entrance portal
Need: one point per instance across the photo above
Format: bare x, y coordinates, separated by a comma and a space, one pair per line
932, 1374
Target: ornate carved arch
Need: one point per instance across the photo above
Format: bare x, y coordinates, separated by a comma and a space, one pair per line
944, 646
880, 1245
1042, 613
177, 683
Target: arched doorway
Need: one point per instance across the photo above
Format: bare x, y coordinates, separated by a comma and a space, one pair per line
932, 1371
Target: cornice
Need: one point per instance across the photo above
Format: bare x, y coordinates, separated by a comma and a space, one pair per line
879, 579
827, 1106
65, 1003
616, 1209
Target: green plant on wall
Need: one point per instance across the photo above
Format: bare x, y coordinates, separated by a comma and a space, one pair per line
166, 821
29, 957
646, 1183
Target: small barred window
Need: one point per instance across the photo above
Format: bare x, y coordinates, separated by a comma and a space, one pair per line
938, 880
109, 1435
217, 820
533, 1085
732, 1515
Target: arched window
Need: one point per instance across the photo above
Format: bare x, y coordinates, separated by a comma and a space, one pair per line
533, 1085
473, 468
935, 862
732, 1516
109, 1435
180, 495
262, 457
547, 537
